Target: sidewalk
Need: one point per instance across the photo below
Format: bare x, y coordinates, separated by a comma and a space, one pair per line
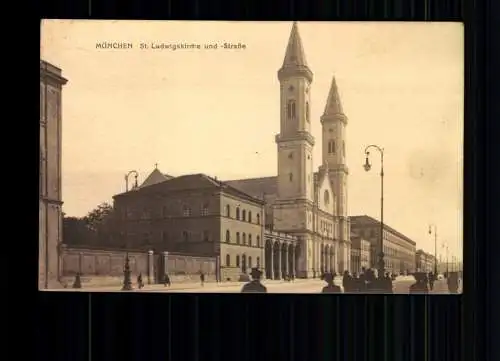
176, 286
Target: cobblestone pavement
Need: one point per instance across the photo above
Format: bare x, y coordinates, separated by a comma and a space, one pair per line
401, 286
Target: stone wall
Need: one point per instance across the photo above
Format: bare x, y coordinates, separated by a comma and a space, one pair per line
104, 267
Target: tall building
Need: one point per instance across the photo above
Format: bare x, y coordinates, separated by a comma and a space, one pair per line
50, 197
309, 205
399, 250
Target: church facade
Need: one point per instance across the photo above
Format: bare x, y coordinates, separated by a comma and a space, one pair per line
309, 204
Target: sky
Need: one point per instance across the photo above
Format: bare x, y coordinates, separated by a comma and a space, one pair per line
216, 111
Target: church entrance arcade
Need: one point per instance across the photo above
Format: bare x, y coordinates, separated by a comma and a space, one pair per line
281, 254
327, 260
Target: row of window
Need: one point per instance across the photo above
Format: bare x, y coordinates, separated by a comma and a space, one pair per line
243, 239
240, 261
242, 215
291, 111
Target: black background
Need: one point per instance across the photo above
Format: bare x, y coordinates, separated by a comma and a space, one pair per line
79, 326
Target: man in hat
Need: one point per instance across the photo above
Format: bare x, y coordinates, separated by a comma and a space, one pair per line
330, 287
254, 286
421, 285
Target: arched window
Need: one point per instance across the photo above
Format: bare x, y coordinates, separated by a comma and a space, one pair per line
258, 262
290, 176
185, 236
250, 217
258, 241
238, 213
228, 211
244, 238
307, 112
331, 146
228, 236
290, 109
327, 197
237, 261
243, 215
237, 237
258, 218
228, 260
250, 240
250, 261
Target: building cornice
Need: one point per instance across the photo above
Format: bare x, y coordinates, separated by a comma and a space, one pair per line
51, 201
298, 136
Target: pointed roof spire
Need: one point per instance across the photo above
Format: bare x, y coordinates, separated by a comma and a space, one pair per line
333, 104
333, 107
295, 55
295, 62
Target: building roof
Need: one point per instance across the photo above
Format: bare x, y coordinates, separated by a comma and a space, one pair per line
155, 177
185, 183
294, 55
333, 104
256, 187
52, 72
369, 221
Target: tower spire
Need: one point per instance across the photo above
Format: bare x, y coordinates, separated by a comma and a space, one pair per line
295, 55
333, 104
295, 62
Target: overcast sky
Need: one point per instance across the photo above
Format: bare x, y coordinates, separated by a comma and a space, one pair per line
217, 111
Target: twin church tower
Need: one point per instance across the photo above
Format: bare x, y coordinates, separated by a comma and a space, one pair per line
309, 203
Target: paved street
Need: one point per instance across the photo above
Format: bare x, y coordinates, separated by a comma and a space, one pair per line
401, 286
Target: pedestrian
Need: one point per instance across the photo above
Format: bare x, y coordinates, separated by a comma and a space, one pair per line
431, 280
452, 282
347, 281
420, 286
166, 280
140, 284
202, 278
255, 285
388, 283
330, 287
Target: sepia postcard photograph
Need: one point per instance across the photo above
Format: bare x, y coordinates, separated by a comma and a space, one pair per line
251, 157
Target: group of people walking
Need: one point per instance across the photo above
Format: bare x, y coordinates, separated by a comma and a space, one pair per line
425, 282
366, 282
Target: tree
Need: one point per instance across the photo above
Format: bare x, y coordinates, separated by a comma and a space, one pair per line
75, 231
99, 218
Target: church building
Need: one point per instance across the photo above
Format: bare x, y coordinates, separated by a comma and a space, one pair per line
301, 201
299, 226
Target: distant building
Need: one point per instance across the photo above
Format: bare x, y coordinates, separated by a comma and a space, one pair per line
399, 250
50, 201
360, 253
424, 262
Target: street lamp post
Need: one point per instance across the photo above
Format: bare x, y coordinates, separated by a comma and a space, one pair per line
127, 176
367, 166
431, 226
